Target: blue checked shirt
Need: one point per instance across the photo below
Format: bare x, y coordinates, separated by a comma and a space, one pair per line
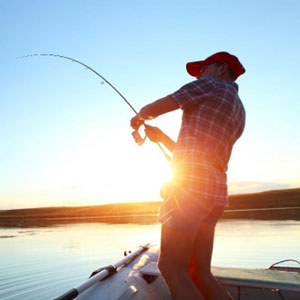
213, 119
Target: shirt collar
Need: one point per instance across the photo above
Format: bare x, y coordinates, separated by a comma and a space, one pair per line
230, 82
234, 84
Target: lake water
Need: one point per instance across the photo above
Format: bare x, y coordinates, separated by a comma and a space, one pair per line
43, 262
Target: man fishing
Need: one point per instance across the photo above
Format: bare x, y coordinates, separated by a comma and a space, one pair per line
213, 119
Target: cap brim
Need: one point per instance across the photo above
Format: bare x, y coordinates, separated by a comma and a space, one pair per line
193, 68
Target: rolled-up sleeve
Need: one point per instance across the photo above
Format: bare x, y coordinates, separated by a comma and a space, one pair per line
194, 93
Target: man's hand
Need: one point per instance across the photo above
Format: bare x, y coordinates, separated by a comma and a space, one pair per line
136, 122
154, 133
157, 136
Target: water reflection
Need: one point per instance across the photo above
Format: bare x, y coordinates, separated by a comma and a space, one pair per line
42, 262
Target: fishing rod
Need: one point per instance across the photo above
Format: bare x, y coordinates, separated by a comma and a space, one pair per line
135, 134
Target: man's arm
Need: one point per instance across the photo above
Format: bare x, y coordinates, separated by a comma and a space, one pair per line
153, 110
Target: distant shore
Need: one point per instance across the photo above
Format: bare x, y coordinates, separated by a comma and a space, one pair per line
270, 205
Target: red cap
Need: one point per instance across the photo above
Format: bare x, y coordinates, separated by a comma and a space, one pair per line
193, 68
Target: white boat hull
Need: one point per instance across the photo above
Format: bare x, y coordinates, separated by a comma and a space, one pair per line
141, 280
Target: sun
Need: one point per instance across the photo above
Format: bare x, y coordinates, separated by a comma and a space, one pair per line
94, 173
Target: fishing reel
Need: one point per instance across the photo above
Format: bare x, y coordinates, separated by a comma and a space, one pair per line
140, 141
138, 138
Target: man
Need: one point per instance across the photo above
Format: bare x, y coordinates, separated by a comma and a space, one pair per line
213, 119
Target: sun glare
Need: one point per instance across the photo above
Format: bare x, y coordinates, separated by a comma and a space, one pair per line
93, 174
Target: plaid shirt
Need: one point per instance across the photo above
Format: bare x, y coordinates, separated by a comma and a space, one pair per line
213, 119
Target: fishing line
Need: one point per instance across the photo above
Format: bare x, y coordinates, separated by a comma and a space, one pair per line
135, 133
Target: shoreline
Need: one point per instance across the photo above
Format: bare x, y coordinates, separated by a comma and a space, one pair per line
276, 205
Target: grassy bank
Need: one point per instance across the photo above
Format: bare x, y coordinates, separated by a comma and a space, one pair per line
262, 205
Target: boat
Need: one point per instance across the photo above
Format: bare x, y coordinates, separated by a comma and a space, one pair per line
137, 277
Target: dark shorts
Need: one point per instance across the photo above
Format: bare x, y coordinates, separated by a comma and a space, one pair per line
183, 211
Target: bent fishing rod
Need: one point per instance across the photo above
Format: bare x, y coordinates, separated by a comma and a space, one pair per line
135, 134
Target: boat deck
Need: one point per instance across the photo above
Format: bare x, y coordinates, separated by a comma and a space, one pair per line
246, 277
140, 279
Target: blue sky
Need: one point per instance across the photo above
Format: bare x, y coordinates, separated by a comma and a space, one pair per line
66, 137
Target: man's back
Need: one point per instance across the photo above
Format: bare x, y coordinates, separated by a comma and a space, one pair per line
213, 119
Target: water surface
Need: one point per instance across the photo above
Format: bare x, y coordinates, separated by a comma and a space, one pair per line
43, 262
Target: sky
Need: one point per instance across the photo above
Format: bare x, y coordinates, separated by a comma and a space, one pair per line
65, 135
